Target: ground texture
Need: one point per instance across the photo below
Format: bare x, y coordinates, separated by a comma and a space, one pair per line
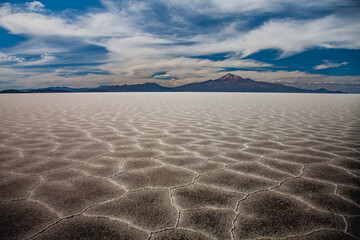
179, 166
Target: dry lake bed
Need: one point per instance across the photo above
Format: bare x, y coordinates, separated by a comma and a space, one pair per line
179, 166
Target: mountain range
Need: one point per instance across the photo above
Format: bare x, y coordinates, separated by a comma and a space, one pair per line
227, 83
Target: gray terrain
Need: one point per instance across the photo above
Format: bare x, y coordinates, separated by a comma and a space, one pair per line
179, 166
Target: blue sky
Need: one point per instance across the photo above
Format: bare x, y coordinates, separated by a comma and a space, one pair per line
86, 43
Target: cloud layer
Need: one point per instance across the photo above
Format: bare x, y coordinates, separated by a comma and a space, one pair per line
133, 41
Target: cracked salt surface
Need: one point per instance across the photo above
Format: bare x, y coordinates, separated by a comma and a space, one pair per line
179, 166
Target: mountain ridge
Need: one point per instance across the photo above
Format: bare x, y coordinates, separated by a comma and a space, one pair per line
227, 83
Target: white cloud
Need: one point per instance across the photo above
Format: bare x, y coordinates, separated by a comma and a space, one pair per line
4, 58
253, 6
20, 21
288, 35
20, 61
328, 64
44, 59
165, 76
35, 6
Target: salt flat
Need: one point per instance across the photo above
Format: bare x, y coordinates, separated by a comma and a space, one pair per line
179, 166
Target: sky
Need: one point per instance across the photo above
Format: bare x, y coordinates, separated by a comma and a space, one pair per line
87, 43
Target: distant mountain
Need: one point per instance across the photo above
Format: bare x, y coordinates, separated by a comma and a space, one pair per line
323, 90
232, 83
10, 91
67, 89
47, 90
227, 83
54, 89
146, 87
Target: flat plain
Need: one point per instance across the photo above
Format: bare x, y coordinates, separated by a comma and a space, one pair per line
179, 166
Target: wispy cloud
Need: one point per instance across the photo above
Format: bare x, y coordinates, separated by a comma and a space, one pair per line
255, 6
4, 58
164, 76
43, 60
328, 64
35, 6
